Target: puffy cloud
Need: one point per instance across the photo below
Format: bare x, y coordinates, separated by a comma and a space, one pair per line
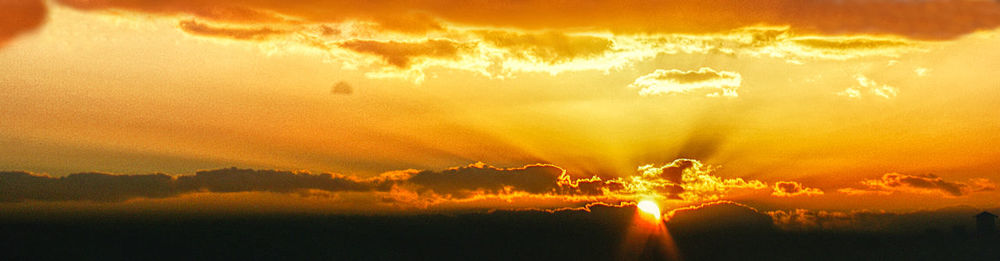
704, 80
867, 84
792, 189
924, 184
18, 17
688, 180
937, 19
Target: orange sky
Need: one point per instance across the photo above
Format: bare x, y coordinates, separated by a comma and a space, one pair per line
778, 104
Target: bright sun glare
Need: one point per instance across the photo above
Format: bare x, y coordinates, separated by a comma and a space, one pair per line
649, 207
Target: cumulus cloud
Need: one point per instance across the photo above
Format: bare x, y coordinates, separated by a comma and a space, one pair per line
689, 180
705, 80
792, 189
923, 184
18, 17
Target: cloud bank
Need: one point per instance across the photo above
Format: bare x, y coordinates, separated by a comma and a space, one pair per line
921, 184
936, 19
683, 180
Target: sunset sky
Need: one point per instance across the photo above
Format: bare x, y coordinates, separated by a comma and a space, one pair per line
784, 106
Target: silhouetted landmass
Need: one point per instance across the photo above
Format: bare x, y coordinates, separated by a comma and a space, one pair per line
723, 232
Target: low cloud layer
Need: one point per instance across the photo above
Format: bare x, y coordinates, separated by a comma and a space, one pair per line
705, 81
683, 180
919, 183
102, 187
953, 219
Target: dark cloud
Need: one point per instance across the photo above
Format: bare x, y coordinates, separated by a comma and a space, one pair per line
342, 88
874, 220
465, 181
674, 172
259, 33
792, 188
23, 186
457, 183
242, 180
682, 179
401, 54
926, 183
18, 17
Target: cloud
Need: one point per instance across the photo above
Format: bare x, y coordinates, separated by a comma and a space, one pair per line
550, 47
683, 181
866, 84
705, 80
402, 54
405, 43
102, 187
479, 177
342, 88
688, 180
922, 184
909, 18
18, 17
874, 220
255, 34
22, 186
792, 189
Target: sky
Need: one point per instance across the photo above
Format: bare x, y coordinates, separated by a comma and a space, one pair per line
787, 107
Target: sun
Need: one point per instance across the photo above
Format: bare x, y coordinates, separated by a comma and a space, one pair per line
649, 207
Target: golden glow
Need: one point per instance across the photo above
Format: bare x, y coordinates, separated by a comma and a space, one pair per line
807, 115
649, 207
